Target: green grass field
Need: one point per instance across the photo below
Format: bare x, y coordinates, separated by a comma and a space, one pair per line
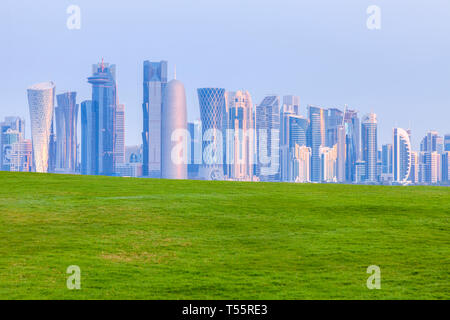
161, 239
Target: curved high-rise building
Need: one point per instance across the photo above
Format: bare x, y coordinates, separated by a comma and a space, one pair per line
212, 110
174, 157
41, 98
402, 155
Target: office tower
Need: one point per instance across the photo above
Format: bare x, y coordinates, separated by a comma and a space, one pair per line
301, 161
370, 146
41, 98
174, 134
414, 174
66, 118
9, 137
352, 142
119, 147
194, 149
430, 142
341, 153
104, 97
386, 158
360, 171
429, 167
445, 162
268, 139
212, 104
333, 119
12, 130
328, 157
89, 138
401, 155
294, 130
447, 142
155, 81
291, 104
133, 162
21, 156
239, 136
316, 117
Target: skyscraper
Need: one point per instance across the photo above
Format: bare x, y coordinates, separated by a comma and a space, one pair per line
66, 116
104, 97
12, 130
89, 138
239, 136
414, 175
268, 139
195, 149
401, 155
301, 161
333, 119
328, 157
119, 148
317, 139
291, 104
155, 81
174, 134
352, 142
447, 142
386, 159
341, 153
370, 146
41, 98
212, 103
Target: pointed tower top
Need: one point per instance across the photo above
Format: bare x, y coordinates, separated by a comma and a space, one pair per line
103, 65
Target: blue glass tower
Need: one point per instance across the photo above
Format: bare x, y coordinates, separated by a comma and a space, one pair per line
154, 85
317, 139
104, 98
89, 138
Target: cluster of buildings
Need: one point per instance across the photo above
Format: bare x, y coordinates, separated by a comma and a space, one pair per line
234, 139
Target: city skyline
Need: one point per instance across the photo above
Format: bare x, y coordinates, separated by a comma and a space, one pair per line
328, 57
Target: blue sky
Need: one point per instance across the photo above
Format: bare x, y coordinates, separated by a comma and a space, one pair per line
320, 50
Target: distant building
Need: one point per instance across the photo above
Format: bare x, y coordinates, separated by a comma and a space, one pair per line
268, 139
445, 162
352, 143
386, 158
212, 103
174, 134
414, 175
328, 157
401, 155
194, 149
119, 147
300, 167
104, 99
447, 142
370, 146
41, 103
291, 104
239, 136
66, 116
89, 138
317, 139
155, 82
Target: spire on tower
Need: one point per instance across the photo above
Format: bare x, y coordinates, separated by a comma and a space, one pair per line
175, 72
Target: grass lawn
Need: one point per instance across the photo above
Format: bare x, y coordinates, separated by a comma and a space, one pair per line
162, 239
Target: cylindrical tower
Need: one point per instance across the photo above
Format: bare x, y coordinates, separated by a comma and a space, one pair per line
174, 134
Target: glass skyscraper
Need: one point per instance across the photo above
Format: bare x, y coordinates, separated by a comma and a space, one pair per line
155, 82
104, 97
268, 139
41, 98
352, 141
317, 139
66, 116
212, 103
89, 138
370, 146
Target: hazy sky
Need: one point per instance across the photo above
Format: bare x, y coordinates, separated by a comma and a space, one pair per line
320, 50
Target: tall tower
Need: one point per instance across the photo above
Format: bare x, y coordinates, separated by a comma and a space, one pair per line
212, 112
317, 139
268, 141
370, 146
119, 148
174, 134
401, 155
104, 98
89, 138
41, 98
239, 136
352, 142
155, 81
66, 116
